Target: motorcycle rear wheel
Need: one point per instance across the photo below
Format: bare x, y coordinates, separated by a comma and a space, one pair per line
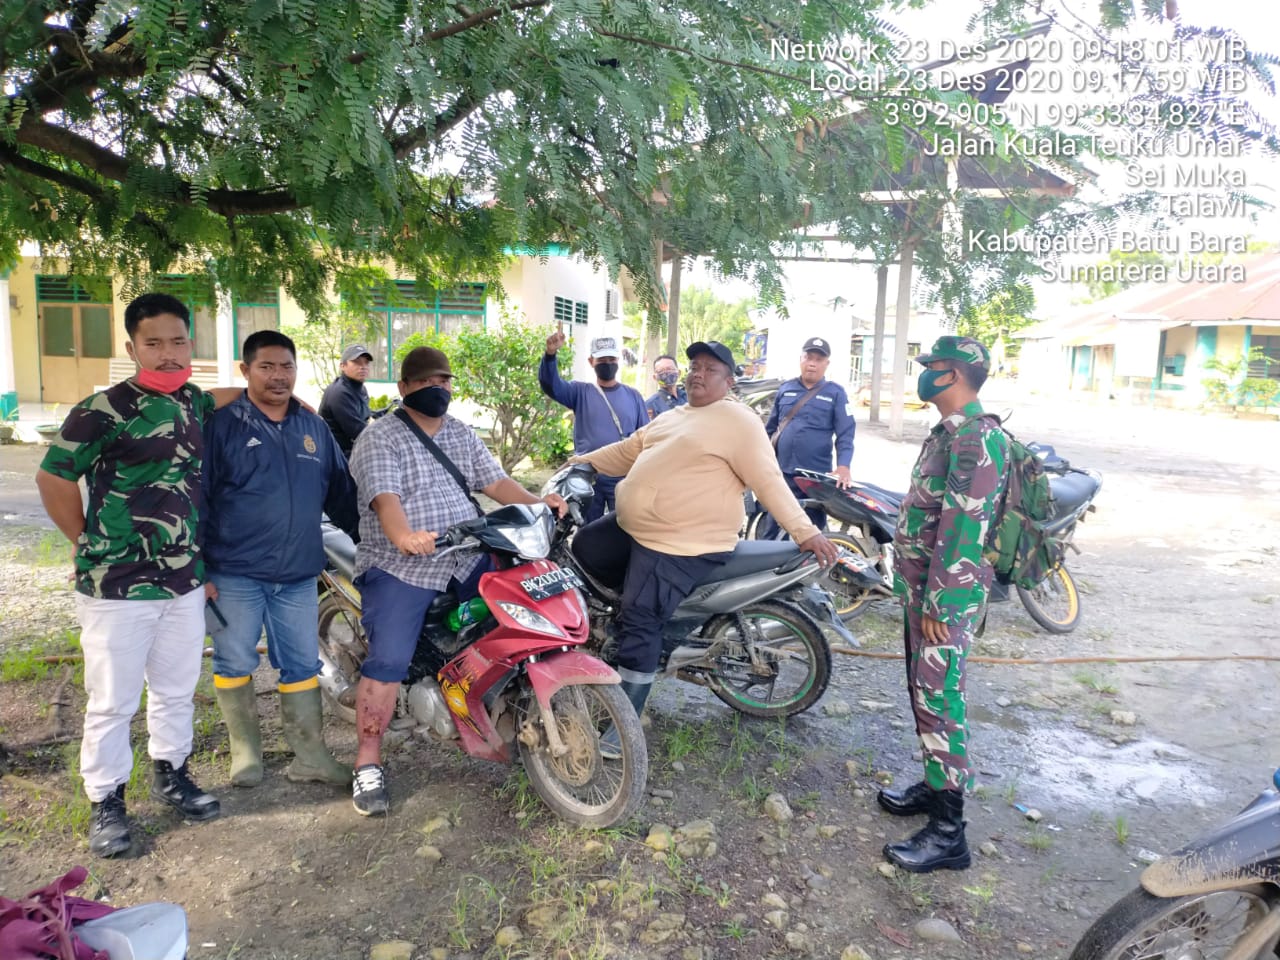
1054, 602
850, 601
582, 787
794, 652
343, 647
1200, 925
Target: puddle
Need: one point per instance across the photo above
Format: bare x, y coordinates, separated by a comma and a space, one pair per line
1076, 768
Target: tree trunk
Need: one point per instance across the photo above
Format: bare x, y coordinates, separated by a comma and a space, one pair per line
901, 328
673, 305
877, 342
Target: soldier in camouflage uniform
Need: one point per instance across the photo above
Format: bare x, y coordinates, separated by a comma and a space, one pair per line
943, 578
139, 574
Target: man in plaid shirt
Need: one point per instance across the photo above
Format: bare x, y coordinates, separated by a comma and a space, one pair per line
407, 499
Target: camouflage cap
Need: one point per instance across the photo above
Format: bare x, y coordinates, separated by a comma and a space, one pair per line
963, 349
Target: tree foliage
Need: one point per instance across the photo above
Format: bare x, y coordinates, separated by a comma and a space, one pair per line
493, 370
309, 144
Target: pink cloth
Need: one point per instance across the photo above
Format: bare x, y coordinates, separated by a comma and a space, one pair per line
39, 926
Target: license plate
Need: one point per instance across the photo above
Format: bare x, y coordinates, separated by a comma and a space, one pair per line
551, 583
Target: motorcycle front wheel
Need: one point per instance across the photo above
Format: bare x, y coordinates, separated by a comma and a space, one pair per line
1054, 602
1204, 926
791, 666
582, 786
343, 647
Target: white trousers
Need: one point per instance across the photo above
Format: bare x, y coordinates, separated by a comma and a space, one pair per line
128, 643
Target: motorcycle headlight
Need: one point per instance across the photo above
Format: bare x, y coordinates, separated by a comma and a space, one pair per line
530, 619
534, 541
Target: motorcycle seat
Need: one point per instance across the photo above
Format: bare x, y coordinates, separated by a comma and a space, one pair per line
880, 493
340, 549
1070, 492
752, 556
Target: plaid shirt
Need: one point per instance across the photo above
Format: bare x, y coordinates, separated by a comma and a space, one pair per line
388, 458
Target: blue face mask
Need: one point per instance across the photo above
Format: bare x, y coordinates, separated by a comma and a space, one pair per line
927, 384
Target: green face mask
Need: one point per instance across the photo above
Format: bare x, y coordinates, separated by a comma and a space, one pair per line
927, 384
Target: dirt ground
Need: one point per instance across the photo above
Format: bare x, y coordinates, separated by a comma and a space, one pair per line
1123, 762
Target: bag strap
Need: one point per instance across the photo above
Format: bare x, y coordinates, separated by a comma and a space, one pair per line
616, 422
813, 392
434, 449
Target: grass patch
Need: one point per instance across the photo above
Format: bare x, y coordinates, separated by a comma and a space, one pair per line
28, 663
1120, 827
1095, 683
695, 741
1038, 839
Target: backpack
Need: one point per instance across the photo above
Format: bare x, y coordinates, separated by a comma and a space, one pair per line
1019, 548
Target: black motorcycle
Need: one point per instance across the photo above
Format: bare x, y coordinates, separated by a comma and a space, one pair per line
863, 518
1217, 897
754, 631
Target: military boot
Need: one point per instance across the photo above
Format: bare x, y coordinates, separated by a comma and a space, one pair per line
940, 845
174, 786
300, 716
109, 825
917, 798
239, 706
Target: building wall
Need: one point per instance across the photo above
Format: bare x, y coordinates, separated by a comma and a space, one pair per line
530, 284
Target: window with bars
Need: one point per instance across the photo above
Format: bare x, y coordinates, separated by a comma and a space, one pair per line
1260, 368
565, 310
442, 311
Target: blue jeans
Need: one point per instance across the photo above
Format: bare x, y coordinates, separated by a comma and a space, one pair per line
289, 611
392, 613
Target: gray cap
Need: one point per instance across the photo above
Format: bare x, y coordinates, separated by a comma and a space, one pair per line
354, 351
605, 347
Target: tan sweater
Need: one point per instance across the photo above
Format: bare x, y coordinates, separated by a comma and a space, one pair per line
684, 476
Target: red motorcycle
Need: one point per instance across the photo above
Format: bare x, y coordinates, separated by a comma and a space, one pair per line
506, 678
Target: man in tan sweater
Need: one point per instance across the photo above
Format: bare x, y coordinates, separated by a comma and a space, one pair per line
679, 506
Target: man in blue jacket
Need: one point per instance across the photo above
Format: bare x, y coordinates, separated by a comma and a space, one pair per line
808, 413
670, 394
271, 469
604, 411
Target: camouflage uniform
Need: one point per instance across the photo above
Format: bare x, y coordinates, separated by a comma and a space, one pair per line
139, 573
141, 454
940, 571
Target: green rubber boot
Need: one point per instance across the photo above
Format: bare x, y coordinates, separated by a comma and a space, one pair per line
239, 706
301, 719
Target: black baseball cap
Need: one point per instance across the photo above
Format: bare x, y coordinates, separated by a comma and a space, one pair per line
716, 349
817, 345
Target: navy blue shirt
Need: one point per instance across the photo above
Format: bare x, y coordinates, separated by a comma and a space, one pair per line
345, 408
265, 485
806, 441
593, 425
662, 401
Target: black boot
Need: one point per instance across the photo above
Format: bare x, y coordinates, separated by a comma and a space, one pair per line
174, 786
917, 798
940, 845
109, 825
611, 741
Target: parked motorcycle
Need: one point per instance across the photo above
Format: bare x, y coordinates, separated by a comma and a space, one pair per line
514, 679
758, 394
863, 518
751, 631
1217, 897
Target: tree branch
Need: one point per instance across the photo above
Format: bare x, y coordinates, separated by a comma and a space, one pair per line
81, 185
446, 120
227, 203
753, 68
476, 19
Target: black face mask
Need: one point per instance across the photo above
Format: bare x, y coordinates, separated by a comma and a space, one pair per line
606, 371
429, 401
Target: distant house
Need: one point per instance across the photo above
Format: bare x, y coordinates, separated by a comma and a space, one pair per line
1155, 340
63, 339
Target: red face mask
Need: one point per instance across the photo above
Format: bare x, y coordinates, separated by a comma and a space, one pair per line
163, 381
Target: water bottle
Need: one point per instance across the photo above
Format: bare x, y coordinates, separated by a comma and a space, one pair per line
465, 614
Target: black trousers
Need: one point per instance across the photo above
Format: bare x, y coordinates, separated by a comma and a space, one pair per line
653, 585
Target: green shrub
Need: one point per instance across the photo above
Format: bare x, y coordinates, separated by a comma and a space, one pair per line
497, 370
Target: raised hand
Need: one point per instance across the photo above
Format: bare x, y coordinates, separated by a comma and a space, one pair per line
556, 340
